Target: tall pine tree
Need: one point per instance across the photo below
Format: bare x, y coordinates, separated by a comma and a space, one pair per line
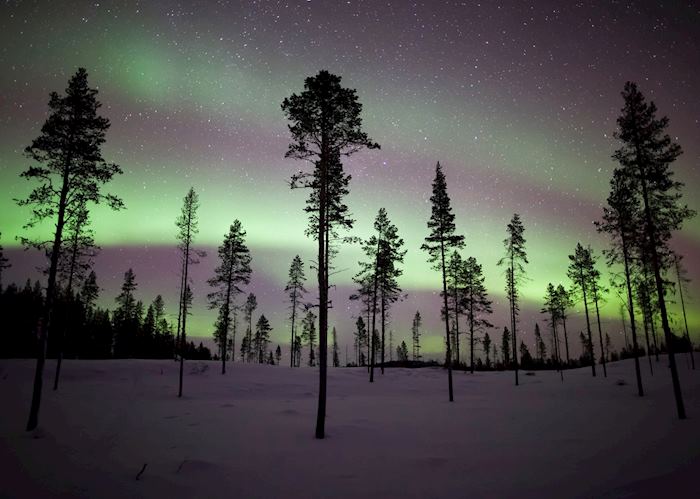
325, 125
70, 171
438, 243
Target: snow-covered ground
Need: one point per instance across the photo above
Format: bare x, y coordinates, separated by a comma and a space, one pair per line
250, 433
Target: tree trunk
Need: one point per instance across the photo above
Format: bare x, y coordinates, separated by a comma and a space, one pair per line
448, 354
588, 322
651, 237
566, 341
48, 308
685, 318
183, 335
513, 319
322, 289
630, 307
600, 332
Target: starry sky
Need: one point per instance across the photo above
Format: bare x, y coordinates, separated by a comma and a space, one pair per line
517, 100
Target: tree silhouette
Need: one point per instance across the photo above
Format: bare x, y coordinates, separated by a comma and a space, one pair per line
564, 302
441, 240
70, 171
336, 357
325, 125
308, 335
295, 291
540, 346
262, 338
505, 347
552, 308
74, 262
594, 276
619, 221
455, 292
514, 259
278, 355
681, 280
188, 227
580, 267
247, 350
475, 301
360, 340
126, 318
646, 155
487, 349
415, 335
232, 272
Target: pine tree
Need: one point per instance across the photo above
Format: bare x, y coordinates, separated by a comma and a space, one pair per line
415, 335
384, 253
564, 303
505, 347
325, 124
232, 272
646, 155
188, 227
336, 353
580, 266
308, 335
360, 340
552, 308
475, 301
248, 354
540, 346
455, 297
619, 222
295, 291
514, 259
70, 171
438, 243
262, 338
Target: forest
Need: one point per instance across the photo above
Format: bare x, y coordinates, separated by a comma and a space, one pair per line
59, 318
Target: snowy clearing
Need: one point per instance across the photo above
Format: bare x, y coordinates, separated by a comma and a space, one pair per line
250, 433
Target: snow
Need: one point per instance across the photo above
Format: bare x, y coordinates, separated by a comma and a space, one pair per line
249, 433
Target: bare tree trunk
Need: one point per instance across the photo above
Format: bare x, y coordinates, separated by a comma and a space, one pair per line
600, 332
448, 354
322, 290
685, 318
630, 307
45, 323
588, 323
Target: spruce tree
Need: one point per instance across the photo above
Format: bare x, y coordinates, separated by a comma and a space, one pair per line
552, 309
125, 318
325, 125
295, 291
188, 227
70, 171
248, 353
438, 243
540, 346
487, 349
232, 272
646, 155
514, 260
262, 338
415, 335
278, 355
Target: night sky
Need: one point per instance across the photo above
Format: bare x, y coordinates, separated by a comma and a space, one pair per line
518, 103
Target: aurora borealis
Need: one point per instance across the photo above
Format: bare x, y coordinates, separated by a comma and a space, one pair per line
517, 102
